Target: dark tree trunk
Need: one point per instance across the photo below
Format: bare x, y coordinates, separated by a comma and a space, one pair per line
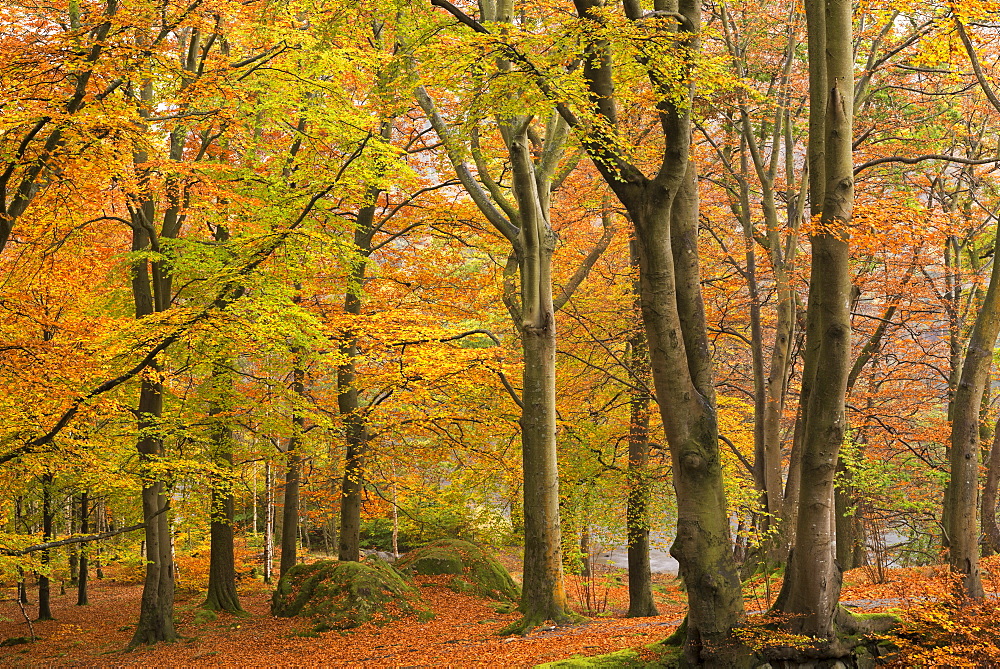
74, 551
22, 587
290, 511
991, 532
44, 585
81, 581
156, 612
222, 595
348, 395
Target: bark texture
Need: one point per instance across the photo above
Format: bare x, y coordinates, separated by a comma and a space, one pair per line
664, 212
813, 575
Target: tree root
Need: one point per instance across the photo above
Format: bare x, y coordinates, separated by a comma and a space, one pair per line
536, 619
853, 634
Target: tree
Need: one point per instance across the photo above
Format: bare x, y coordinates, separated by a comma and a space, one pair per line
522, 217
963, 487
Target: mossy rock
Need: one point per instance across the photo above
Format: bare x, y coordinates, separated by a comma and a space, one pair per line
343, 595
476, 571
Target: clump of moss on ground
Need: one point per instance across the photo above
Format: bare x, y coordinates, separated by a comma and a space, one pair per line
654, 656
475, 571
343, 595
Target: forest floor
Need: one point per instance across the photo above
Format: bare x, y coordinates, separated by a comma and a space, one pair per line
462, 633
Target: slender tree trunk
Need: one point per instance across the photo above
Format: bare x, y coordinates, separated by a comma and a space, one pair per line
963, 488
988, 519
44, 585
846, 515
74, 552
100, 525
81, 582
640, 582
290, 512
22, 587
268, 521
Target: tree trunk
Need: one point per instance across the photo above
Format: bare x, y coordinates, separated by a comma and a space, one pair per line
290, 511
532, 244
355, 430
963, 488
640, 582
74, 552
664, 212
268, 521
814, 577
222, 595
682, 374
847, 516
988, 519
156, 612
44, 585
81, 581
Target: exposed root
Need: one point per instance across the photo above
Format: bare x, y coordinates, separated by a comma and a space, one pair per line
536, 619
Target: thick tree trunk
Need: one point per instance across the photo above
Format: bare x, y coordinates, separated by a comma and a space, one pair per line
664, 211
544, 595
348, 402
813, 575
83, 575
640, 582
682, 374
222, 595
44, 585
543, 591
156, 612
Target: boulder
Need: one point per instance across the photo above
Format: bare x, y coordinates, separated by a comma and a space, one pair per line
475, 571
343, 595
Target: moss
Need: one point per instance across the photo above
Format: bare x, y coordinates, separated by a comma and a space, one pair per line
653, 656
343, 595
476, 571
202, 616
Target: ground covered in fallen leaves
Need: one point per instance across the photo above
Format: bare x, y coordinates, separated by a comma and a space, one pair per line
463, 631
